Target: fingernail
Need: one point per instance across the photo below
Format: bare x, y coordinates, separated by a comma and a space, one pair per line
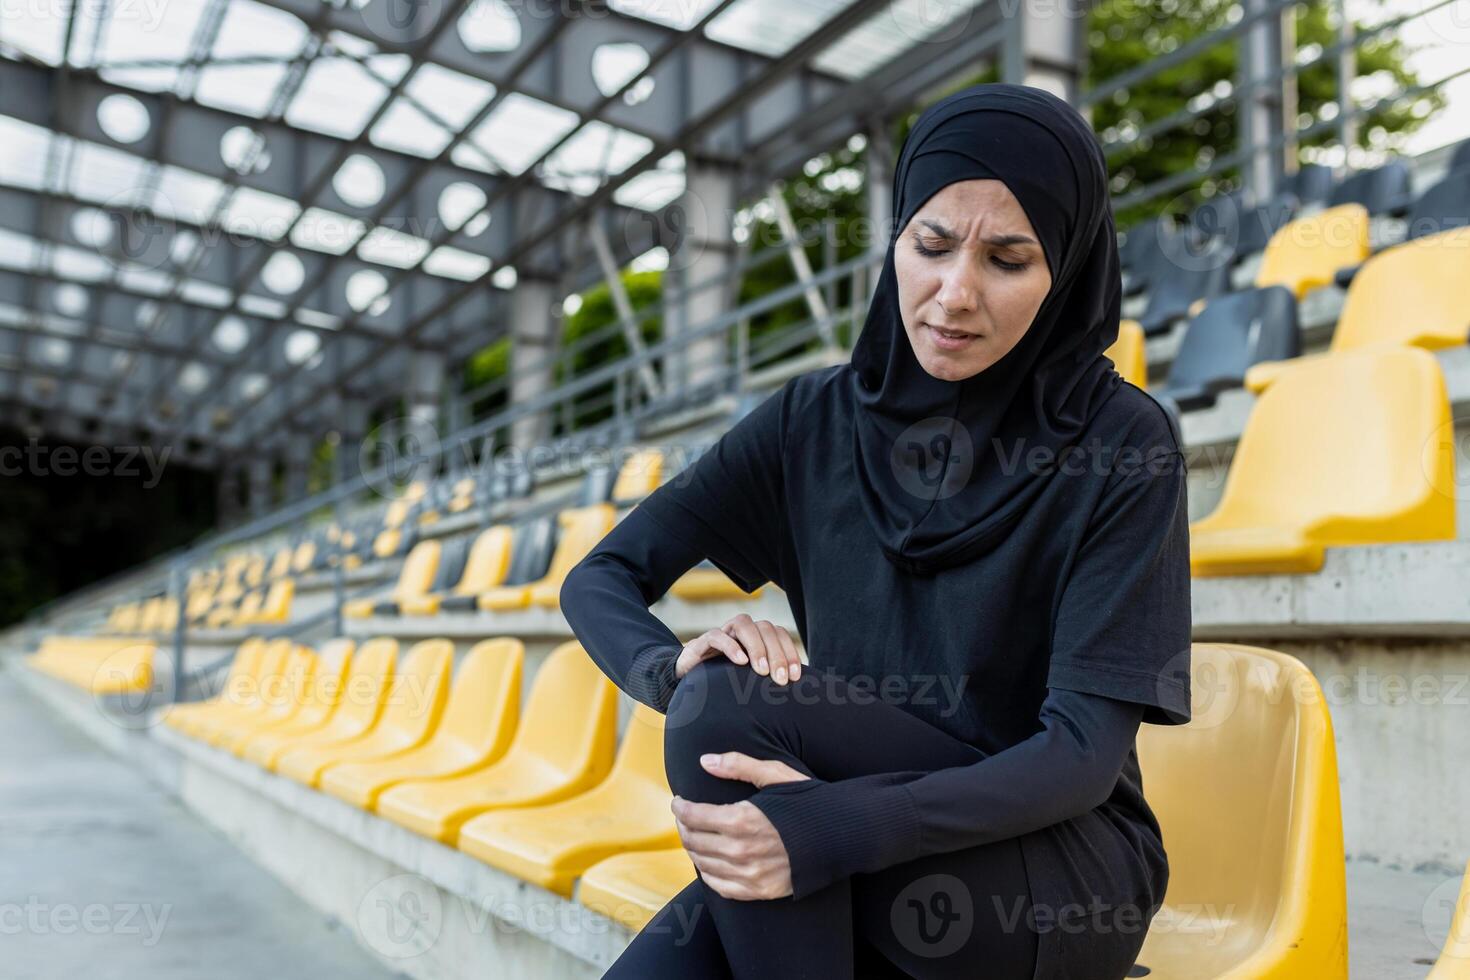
780, 675
709, 759
762, 667
795, 671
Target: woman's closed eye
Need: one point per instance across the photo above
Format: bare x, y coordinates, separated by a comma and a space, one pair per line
936, 248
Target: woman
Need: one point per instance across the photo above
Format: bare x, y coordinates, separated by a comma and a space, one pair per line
982, 533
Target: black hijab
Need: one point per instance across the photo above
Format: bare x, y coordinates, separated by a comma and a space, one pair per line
942, 465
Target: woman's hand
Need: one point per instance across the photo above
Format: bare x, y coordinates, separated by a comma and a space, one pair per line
735, 847
768, 648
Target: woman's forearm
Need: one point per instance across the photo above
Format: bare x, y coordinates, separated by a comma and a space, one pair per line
835, 829
606, 597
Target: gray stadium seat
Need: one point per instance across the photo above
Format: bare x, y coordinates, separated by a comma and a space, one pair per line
1229, 335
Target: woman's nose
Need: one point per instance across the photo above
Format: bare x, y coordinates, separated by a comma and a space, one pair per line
958, 293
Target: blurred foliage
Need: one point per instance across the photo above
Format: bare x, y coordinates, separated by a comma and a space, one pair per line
1124, 34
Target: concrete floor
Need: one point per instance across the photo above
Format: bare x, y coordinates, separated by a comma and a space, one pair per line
103, 875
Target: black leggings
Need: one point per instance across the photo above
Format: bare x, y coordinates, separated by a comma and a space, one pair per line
907, 920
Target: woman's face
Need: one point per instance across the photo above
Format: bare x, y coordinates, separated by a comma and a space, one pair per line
971, 276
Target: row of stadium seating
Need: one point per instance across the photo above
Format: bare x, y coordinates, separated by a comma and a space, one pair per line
545, 792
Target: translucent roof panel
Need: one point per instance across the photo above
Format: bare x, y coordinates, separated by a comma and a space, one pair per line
37, 29
434, 105
23, 153
771, 27
515, 134
340, 95
891, 31
582, 164
680, 16
162, 32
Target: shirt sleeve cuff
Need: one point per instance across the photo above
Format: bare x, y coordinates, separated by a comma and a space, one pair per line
832, 830
651, 677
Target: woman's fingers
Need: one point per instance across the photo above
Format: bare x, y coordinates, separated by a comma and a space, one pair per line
743, 628
793, 656
781, 655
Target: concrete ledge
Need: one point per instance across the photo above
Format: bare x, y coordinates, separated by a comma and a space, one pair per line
424, 908
1415, 590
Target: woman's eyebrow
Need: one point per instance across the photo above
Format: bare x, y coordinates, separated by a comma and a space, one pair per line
999, 241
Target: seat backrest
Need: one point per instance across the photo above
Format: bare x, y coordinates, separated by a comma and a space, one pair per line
276, 606
1192, 275
416, 577
367, 682
532, 552
1378, 189
488, 561
1338, 438
280, 563
570, 709
1442, 207
1461, 156
292, 692
641, 756
597, 485
329, 678
1246, 795
451, 563
1307, 252
244, 673
1143, 244
1233, 332
420, 686
1128, 353
1258, 224
270, 674
581, 529
1413, 293
487, 681
1311, 184
639, 475
304, 556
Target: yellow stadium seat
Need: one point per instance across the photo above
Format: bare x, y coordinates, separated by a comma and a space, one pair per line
254, 572
280, 564
1454, 960
244, 614
254, 701
282, 698
581, 529
1247, 798
414, 579
127, 618
551, 845
485, 568
323, 696
1411, 295
275, 607
461, 496
1128, 354
101, 665
640, 475
478, 725
1351, 449
412, 703
1306, 253
709, 585
304, 555
358, 706
631, 888
563, 745
242, 672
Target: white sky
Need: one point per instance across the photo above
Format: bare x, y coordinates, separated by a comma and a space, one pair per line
1444, 37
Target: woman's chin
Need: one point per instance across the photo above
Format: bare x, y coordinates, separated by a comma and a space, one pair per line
947, 366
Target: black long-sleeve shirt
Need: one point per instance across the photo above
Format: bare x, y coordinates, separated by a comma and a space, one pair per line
1069, 633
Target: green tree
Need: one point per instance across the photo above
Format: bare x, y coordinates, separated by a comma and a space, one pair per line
1124, 34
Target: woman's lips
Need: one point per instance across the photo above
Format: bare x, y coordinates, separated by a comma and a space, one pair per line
950, 339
